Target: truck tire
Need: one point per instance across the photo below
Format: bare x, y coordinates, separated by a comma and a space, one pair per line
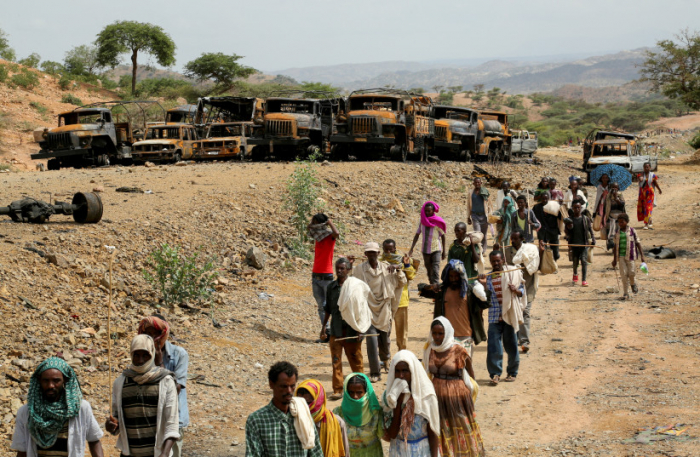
102, 160
53, 164
90, 208
177, 157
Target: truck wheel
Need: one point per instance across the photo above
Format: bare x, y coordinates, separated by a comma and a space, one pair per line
53, 164
177, 157
241, 154
89, 208
102, 160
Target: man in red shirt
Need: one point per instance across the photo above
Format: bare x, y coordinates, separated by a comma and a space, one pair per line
324, 233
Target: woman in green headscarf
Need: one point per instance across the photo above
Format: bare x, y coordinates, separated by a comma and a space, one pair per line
363, 416
503, 227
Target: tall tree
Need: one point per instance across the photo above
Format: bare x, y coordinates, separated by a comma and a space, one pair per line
125, 36
82, 60
220, 68
675, 70
6, 52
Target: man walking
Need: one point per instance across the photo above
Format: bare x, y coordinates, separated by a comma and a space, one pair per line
525, 220
477, 207
527, 256
505, 316
175, 359
144, 405
401, 315
627, 248
383, 281
284, 427
355, 298
56, 421
324, 234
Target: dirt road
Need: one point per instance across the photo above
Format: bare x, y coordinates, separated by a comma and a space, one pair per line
599, 368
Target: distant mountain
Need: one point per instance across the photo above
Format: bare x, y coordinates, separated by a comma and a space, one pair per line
513, 76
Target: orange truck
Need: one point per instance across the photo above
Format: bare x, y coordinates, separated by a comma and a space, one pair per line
384, 123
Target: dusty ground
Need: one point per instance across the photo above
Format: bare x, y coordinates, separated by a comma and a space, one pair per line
599, 368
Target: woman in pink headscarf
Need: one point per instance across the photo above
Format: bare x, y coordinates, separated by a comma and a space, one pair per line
432, 227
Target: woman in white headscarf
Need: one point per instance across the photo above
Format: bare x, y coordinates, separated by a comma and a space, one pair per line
144, 404
449, 365
412, 407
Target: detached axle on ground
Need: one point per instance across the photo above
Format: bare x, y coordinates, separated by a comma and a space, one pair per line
86, 208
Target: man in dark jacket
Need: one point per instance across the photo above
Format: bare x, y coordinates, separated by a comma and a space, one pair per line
456, 301
549, 233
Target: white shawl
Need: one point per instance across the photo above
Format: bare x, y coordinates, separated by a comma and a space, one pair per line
422, 390
303, 422
382, 295
353, 304
512, 307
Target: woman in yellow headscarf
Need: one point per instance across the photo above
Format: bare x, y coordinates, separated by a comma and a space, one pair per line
331, 428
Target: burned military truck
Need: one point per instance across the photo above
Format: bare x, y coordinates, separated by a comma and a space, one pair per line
384, 123
497, 138
295, 123
457, 132
97, 134
226, 123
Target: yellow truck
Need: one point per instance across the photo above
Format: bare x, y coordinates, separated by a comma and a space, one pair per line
383, 123
497, 138
166, 143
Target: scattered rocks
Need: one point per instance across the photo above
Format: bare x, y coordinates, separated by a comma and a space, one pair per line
58, 260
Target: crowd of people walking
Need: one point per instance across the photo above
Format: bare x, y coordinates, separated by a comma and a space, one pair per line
428, 406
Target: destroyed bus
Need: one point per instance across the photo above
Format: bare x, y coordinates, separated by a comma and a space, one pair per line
456, 132
226, 124
296, 123
98, 134
384, 123
497, 138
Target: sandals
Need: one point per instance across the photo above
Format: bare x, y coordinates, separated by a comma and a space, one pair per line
510, 378
625, 297
375, 378
524, 349
335, 396
494, 381
635, 289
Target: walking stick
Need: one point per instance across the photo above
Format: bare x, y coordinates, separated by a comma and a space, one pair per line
110, 250
494, 272
353, 337
617, 277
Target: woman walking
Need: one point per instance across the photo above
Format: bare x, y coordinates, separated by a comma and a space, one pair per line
331, 429
414, 419
505, 224
614, 206
645, 205
432, 227
363, 417
450, 366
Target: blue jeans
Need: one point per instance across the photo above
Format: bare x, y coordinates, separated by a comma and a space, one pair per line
319, 287
502, 335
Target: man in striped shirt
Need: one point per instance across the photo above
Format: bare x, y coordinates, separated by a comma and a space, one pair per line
501, 334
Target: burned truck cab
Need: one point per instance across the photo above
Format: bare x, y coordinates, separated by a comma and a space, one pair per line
292, 127
456, 132
383, 123
497, 138
95, 135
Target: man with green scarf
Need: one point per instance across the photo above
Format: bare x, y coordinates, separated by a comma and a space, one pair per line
56, 421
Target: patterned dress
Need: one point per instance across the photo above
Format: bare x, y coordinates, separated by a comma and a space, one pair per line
645, 204
364, 441
460, 434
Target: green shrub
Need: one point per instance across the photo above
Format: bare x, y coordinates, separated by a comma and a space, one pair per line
52, 68
31, 61
39, 107
303, 188
72, 99
4, 74
65, 83
25, 79
695, 141
180, 278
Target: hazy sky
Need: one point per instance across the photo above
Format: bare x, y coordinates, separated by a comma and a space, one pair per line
278, 34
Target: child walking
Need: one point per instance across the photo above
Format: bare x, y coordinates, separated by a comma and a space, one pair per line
627, 246
432, 227
579, 232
